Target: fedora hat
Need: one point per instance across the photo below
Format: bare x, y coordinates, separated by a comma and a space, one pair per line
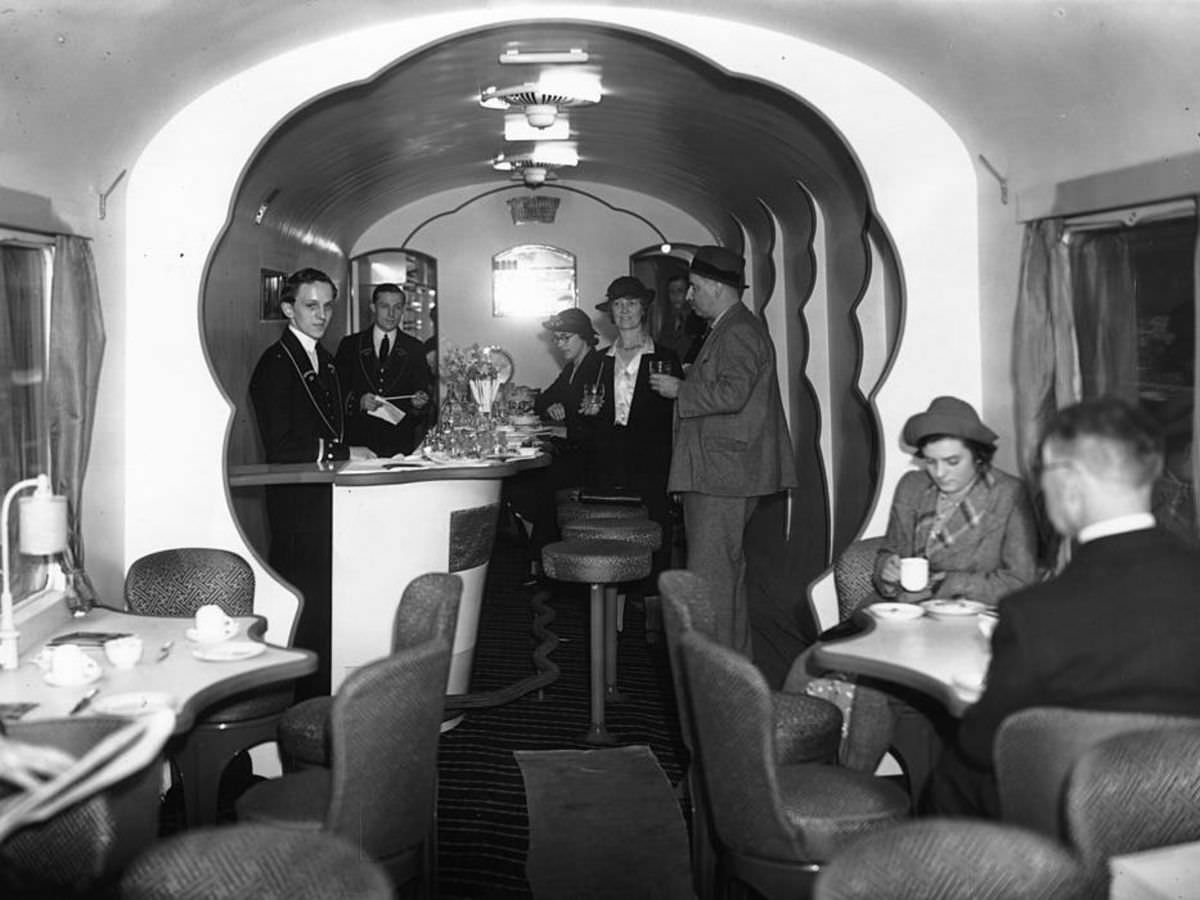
721, 265
951, 417
626, 286
571, 321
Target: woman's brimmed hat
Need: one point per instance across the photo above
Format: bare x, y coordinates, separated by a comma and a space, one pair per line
572, 321
626, 286
951, 417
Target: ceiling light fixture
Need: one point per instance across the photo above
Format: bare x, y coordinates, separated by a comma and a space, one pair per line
542, 102
514, 56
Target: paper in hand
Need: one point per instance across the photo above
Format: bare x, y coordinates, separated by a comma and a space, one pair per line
389, 412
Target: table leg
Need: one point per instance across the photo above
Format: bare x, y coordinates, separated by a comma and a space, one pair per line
597, 734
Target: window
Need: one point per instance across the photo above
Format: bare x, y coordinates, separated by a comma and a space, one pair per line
25, 275
532, 280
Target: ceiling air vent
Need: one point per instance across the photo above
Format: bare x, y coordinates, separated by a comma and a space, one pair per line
530, 210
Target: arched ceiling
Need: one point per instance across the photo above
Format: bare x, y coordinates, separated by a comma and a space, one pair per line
669, 125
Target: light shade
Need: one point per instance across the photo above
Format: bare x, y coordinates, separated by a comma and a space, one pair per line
42, 519
541, 115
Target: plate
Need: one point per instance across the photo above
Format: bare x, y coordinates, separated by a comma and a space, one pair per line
971, 682
896, 612
955, 607
91, 671
231, 629
229, 652
134, 703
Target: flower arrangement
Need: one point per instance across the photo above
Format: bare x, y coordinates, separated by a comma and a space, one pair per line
471, 372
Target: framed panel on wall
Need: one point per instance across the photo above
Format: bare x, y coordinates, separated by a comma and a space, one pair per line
269, 291
533, 280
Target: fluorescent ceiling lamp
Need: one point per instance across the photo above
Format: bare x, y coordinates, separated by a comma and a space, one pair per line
583, 87
514, 56
559, 153
517, 128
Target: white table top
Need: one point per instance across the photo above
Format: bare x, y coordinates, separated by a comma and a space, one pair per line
193, 683
939, 655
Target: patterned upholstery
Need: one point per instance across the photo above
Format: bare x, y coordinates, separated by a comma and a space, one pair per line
573, 511
177, 582
775, 823
644, 533
945, 859
428, 608
595, 562
85, 844
258, 861
852, 575
381, 788
1036, 749
1133, 792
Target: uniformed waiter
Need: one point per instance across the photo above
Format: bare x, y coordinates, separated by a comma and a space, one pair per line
299, 407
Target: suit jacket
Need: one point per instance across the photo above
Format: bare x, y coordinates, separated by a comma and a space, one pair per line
296, 409
403, 372
567, 389
1118, 630
637, 454
731, 438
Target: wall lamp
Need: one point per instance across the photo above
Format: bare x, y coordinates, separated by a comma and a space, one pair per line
42, 520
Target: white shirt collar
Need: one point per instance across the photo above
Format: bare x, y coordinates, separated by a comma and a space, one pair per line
1119, 525
308, 343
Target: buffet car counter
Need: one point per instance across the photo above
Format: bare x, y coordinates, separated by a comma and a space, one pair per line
395, 519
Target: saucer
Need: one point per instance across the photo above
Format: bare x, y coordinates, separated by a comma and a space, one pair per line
896, 612
134, 703
954, 607
230, 652
89, 673
231, 629
969, 682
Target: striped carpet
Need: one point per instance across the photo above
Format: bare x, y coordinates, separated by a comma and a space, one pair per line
483, 826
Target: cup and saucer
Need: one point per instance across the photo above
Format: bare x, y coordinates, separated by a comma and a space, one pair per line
212, 626
67, 666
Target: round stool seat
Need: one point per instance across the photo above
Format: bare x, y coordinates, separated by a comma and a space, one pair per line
574, 511
304, 731
642, 532
595, 562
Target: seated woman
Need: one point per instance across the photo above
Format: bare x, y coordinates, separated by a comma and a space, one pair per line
975, 526
531, 493
633, 424
973, 522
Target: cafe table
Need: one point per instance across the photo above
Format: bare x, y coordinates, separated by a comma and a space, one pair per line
190, 678
942, 655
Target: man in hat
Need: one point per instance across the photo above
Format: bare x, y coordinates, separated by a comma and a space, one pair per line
731, 439
1116, 630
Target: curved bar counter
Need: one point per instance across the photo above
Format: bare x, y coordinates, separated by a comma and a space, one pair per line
393, 521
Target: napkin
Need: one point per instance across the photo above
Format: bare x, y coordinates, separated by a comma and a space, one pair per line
389, 412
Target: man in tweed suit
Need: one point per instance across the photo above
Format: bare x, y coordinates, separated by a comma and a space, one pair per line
731, 439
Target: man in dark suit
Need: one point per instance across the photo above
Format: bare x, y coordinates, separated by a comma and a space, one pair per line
731, 438
297, 399
1117, 630
384, 370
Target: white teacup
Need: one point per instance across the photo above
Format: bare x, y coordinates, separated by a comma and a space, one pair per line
211, 623
914, 573
124, 653
68, 663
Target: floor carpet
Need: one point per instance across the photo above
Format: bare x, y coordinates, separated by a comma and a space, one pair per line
604, 825
483, 823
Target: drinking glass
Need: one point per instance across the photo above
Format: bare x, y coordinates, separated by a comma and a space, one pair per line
593, 399
660, 367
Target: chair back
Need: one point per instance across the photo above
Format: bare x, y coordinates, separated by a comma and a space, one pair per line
384, 729
1135, 791
92, 839
853, 574
428, 608
1036, 748
731, 709
948, 859
179, 581
685, 603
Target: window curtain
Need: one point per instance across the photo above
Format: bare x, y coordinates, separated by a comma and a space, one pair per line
1105, 315
1045, 359
76, 350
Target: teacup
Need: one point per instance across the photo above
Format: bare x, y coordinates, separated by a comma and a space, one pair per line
211, 623
68, 663
125, 652
914, 573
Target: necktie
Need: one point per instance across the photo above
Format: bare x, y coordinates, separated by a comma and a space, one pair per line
383, 353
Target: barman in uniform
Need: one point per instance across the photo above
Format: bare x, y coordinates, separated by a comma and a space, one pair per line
298, 405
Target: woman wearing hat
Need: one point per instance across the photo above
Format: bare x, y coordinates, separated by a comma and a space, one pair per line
973, 522
633, 424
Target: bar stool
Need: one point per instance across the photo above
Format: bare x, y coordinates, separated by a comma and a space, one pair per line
569, 511
600, 564
640, 532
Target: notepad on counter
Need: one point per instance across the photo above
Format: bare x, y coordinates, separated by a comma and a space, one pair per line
389, 412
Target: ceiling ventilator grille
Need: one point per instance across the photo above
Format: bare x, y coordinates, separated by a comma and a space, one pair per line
533, 210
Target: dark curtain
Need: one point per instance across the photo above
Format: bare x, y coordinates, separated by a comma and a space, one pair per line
1105, 315
76, 350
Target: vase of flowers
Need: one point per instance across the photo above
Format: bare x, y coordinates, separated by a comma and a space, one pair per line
471, 375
